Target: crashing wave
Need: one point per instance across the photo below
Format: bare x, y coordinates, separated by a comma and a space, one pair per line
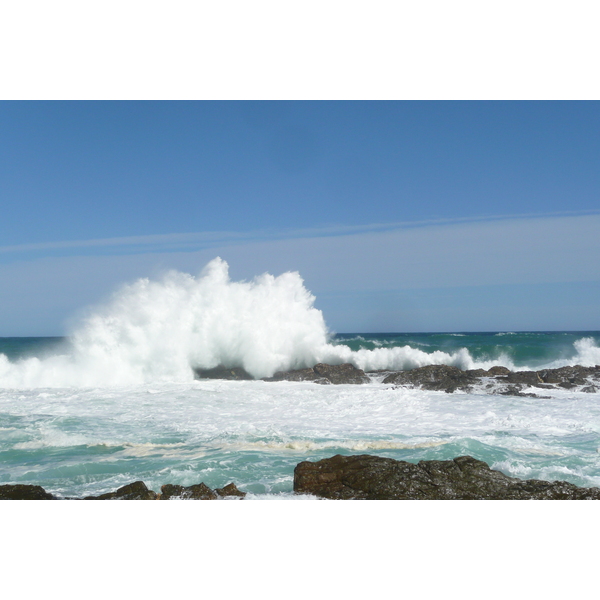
162, 330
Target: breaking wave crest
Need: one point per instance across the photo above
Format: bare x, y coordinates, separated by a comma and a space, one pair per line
162, 330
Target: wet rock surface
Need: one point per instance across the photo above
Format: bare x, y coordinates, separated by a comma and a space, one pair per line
320, 373
324, 374
367, 477
230, 490
362, 477
434, 377
234, 373
132, 491
498, 380
24, 492
199, 491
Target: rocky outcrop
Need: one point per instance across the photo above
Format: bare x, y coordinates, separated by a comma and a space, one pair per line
230, 490
434, 377
363, 477
199, 491
297, 375
24, 492
235, 373
320, 373
132, 491
367, 477
324, 374
569, 377
345, 373
498, 380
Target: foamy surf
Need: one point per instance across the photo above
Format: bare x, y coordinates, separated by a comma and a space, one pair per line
78, 442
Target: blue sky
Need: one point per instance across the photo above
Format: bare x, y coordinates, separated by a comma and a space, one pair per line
400, 216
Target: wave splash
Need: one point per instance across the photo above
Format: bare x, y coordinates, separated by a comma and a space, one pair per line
161, 330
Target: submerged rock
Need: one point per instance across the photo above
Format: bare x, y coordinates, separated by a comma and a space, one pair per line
22, 491
366, 477
324, 374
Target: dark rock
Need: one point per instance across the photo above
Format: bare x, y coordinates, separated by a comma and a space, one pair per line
498, 371
510, 390
590, 389
567, 385
131, 491
434, 377
200, 491
515, 390
345, 373
324, 374
296, 375
498, 380
520, 379
230, 490
530, 378
22, 491
236, 373
577, 375
477, 372
366, 477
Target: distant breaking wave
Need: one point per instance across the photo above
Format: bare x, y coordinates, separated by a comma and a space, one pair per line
162, 330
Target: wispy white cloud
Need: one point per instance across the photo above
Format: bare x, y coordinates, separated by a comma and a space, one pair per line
510, 251
210, 239
523, 251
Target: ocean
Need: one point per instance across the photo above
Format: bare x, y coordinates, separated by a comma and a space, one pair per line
116, 401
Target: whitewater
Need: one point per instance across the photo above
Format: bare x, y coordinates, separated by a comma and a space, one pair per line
116, 401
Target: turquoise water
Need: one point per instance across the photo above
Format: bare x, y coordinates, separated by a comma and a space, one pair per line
80, 440
15, 348
531, 349
534, 349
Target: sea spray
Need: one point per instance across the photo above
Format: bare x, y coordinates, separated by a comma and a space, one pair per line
159, 331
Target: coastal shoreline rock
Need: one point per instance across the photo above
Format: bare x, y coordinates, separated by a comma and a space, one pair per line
21, 491
497, 380
132, 491
324, 374
321, 373
367, 477
199, 491
233, 373
361, 477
